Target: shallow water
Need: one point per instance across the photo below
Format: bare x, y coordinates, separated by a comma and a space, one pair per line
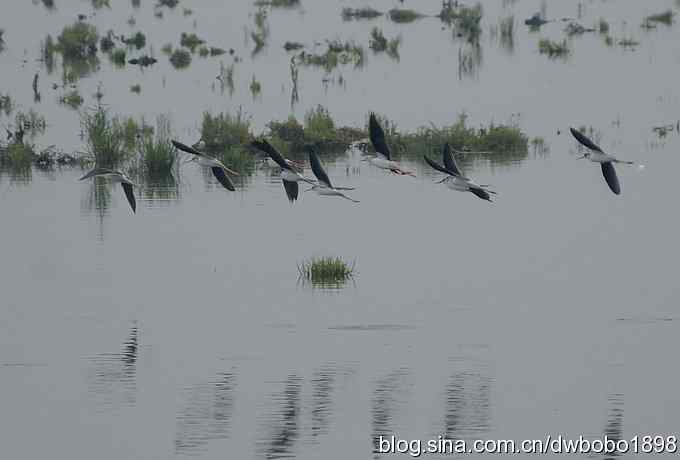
182, 331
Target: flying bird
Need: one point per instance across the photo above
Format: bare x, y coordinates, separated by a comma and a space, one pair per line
597, 155
324, 187
290, 176
116, 177
455, 180
217, 167
383, 158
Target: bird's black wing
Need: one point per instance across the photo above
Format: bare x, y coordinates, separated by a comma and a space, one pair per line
449, 161
291, 189
437, 166
130, 194
267, 148
377, 136
318, 170
223, 178
481, 193
585, 141
187, 149
609, 174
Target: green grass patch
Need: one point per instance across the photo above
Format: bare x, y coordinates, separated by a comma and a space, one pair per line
156, 152
72, 99
349, 14
337, 53
403, 16
379, 43
553, 49
326, 271
255, 87
78, 41
180, 59
224, 130
190, 41
106, 138
118, 56
603, 26
138, 40
665, 18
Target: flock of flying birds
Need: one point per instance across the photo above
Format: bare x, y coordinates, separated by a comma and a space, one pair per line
292, 172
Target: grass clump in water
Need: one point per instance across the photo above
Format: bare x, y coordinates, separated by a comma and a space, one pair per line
78, 41
136, 88
72, 99
255, 87
326, 270
379, 44
349, 14
403, 16
553, 48
118, 56
105, 137
278, 3
603, 26
190, 41
222, 131
180, 59
138, 40
336, 54
156, 152
665, 18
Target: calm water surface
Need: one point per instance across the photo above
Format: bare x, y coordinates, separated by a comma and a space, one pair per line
182, 331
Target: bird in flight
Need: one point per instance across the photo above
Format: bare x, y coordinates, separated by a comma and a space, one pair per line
324, 187
217, 167
455, 180
290, 176
383, 158
595, 154
116, 177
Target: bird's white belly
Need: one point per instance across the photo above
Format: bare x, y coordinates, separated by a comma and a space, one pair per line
289, 176
458, 185
383, 163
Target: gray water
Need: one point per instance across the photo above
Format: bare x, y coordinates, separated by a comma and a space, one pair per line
183, 331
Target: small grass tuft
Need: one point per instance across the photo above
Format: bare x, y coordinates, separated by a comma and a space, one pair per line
138, 40
553, 49
349, 14
403, 16
326, 271
603, 26
156, 152
255, 87
72, 99
190, 41
78, 41
136, 88
223, 131
180, 59
665, 18
378, 43
118, 56
105, 137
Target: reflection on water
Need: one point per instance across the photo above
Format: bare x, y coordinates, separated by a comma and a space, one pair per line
206, 415
467, 405
161, 190
113, 376
390, 394
282, 426
614, 427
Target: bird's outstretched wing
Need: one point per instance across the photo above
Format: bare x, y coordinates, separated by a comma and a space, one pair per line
585, 141
130, 195
187, 149
481, 193
377, 136
318, 170
449, 161
437, 166
98, 172
223, 179
609, 174
267, 148
291, 190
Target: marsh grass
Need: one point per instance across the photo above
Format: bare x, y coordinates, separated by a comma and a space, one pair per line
156, 152
19, 156
190, 41
255, 87
349, 14
180, 59
223, 131
553, 49
278, 3
138, 40
403, 16
72, 99
118, 56
665, 18
322, 271
239, 158
105, 137
78, 41
507, 33
379, 44
337, 53
603, 26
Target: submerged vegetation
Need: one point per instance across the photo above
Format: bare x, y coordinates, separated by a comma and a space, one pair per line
326, 271
349, 14
552, 48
